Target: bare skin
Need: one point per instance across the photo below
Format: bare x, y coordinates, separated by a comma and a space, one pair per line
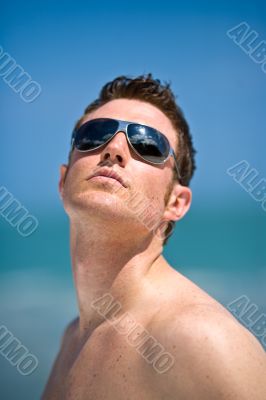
115, 255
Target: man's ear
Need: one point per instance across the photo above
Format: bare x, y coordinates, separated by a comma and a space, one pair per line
179, 203
63, 174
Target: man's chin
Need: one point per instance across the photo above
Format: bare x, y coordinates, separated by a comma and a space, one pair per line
93, 204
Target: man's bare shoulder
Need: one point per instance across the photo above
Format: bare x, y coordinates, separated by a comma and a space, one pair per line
70, 331
214, 355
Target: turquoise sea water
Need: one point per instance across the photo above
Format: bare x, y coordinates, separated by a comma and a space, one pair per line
223, 252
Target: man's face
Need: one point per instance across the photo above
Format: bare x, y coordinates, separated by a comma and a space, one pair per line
153, 183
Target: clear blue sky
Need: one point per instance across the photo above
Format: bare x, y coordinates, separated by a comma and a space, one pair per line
72, 48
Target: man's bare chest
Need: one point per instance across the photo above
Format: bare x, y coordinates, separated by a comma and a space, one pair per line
105, 368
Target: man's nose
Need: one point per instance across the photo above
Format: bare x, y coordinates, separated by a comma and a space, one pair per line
117, 149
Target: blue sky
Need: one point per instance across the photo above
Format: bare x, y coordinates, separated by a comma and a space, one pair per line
72, 48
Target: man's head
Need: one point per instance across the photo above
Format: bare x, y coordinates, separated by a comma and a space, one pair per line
146, 101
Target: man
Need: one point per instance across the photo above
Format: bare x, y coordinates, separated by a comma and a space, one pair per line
144, 331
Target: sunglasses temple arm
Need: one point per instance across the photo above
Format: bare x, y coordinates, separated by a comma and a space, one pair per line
176, 164
72, 139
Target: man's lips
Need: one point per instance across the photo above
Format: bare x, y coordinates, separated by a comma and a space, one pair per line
109, 173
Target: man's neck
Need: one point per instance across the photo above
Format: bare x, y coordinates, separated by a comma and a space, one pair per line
116, 264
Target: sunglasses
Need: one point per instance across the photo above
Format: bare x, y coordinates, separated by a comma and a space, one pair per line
148, 143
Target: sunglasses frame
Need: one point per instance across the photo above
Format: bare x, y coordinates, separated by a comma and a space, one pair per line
122, 127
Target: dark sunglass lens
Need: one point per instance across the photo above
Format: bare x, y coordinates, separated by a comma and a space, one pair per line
94, 133
149, 143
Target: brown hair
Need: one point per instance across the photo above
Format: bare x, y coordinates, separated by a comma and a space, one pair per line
148, 89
